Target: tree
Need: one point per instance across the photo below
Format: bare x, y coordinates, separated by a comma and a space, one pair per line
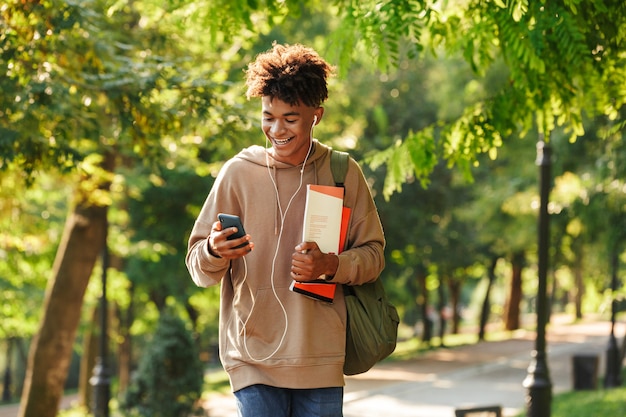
92, 87
589, 205
564, 59
28, 238
486, 304
83, 85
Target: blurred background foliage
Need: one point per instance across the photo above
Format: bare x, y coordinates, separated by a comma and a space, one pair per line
441, 103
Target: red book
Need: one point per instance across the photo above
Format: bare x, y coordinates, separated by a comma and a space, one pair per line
318, 290
345, 222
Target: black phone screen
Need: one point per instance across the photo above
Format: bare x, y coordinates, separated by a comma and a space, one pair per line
230, 220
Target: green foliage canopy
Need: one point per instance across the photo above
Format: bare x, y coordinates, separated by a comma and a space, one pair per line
564, 58
97, 77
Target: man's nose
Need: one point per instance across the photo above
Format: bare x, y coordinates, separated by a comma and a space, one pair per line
277, 126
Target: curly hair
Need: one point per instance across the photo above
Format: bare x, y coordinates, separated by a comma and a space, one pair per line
294, 74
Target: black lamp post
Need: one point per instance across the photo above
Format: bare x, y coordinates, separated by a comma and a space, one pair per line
612, 377
537, 382
101, 380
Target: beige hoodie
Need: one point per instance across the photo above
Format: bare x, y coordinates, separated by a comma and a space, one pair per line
268, 334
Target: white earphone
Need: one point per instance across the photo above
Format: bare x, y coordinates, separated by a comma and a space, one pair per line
283, 215
314, 120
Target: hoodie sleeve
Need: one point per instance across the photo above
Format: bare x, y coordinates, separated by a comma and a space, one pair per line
232, 192
205, 269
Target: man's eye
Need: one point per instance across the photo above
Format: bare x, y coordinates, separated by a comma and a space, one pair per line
290, 121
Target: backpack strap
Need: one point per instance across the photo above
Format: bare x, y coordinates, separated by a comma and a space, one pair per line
339, 166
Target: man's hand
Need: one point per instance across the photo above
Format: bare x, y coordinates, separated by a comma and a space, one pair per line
309, 263
220, 246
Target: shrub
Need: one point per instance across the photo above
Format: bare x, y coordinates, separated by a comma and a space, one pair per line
168, 382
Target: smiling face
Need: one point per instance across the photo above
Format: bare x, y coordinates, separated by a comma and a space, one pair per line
288, 128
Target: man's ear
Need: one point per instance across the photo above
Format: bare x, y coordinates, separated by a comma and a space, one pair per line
319, 112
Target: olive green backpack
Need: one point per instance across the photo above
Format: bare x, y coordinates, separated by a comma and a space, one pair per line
372, 328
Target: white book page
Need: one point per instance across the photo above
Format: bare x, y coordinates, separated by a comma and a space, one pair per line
322, 217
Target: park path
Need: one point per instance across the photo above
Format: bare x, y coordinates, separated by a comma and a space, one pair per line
13, 409
486, 373
439, 381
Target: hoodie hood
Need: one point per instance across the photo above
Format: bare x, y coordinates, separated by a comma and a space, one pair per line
258, 155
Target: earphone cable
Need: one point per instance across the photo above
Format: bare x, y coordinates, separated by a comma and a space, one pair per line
280, 234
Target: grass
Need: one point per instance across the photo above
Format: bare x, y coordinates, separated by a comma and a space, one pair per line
610, 402
413, 347
216, 381
600, 402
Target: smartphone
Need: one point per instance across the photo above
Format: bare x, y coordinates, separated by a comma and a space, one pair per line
230, 220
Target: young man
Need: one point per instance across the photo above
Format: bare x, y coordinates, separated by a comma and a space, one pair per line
283, 351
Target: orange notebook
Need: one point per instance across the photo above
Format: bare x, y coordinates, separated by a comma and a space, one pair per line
345, 222
318, 290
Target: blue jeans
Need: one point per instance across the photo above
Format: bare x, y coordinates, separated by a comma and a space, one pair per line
266, 401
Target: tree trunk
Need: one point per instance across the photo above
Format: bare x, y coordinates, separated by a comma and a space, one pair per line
125, 348
486, 307
22, 363
88, 360
424, 307
553, 291
579, 284
441, 307
8, 373
512, 319
51, 349
454, 287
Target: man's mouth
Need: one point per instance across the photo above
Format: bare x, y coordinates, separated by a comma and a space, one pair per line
282, 141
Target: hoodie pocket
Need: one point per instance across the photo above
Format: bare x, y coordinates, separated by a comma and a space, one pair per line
261, 334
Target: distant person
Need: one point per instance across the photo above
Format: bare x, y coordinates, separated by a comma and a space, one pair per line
283, 352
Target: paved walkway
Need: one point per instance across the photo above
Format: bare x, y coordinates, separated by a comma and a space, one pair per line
433, 385
13, 409
487, 373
